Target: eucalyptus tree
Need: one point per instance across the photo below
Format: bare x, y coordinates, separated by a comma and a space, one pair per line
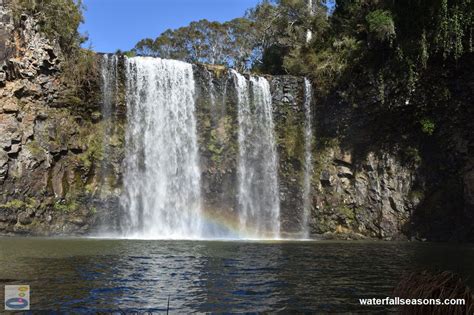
230, 43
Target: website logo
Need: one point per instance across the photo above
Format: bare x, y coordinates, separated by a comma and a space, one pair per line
17, 297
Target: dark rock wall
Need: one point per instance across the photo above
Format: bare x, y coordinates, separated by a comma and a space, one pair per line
50, 147
217, 121
54, 178
352, 196
289, 119
217, 117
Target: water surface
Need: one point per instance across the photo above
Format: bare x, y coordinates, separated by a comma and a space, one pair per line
89, 275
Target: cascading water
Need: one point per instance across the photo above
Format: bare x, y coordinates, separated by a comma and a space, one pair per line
162, 175
109, 83
109, 92
308, 158
259, 202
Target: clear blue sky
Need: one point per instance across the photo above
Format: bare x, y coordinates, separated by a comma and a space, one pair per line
120, 24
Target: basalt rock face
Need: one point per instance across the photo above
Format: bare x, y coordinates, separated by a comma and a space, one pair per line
61, 161
53, 165
217, 117
373, 196
49, 152
414, 184
350, 197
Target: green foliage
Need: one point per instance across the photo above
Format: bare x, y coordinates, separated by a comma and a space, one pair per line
14, 204
454, 28
424, 54
58, 19
130, 53
416, 195
324, 66
412, 155
66, 206
427, 126
381, 25
346, 212
35, 148
260, 40
94, 152
370, 34
17, 204
273, 60
203, 41
78, 74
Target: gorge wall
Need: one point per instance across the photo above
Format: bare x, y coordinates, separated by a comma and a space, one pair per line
61, 159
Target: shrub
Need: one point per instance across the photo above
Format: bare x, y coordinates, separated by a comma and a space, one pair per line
427, 126
381, 25
79, 72
66, 207
412, 155
58, 19
441, 285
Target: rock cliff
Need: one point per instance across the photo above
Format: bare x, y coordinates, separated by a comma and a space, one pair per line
55, 179
49, 172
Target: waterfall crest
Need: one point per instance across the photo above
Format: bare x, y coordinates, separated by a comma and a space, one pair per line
259, 202
162, 196
308, 158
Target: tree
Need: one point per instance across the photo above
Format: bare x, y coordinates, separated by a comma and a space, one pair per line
230, 43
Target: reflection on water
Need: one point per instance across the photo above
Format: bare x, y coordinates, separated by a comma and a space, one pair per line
105, 275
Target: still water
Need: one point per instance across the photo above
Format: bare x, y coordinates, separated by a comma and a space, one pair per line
90, 275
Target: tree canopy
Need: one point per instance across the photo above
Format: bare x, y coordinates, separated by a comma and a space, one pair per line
206, 42
382, 40
271, 37
397, 45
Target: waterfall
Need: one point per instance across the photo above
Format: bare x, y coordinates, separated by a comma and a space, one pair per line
308, 158
109, 84
259, 203
162, 175
109, 91
212, 99
309, 33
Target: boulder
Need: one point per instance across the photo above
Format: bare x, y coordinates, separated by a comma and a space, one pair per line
344, 157
24, 218
15, 148
42, 115
344, 171
10, 106
326, 178
3, 165
9, 130
3, 78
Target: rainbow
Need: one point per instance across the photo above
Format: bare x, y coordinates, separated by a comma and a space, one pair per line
219, 225
226, 225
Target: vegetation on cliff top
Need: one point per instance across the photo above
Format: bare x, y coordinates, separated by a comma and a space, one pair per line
407, 51
394, 44
59, 20
273, 35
